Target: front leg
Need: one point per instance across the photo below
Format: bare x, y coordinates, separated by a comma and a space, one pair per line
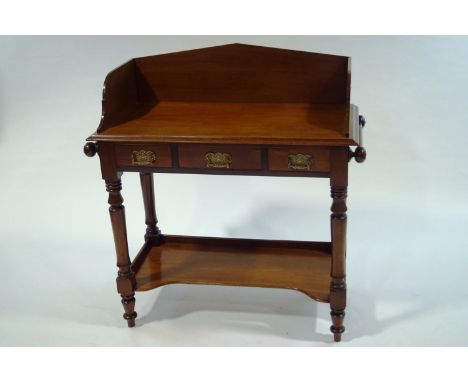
339, 186
125, 276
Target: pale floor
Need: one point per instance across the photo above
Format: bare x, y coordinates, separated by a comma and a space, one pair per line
59, 295
226, 316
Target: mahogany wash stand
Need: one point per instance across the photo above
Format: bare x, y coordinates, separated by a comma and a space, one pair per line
231, 109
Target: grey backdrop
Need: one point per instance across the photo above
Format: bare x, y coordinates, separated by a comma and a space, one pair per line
407, 246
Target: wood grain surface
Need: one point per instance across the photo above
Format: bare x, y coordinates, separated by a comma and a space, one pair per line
304, 266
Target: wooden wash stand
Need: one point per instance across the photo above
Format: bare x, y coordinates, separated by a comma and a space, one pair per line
231, 109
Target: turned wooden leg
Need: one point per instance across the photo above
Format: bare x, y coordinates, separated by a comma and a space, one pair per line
125, 276
147, 188
338, 180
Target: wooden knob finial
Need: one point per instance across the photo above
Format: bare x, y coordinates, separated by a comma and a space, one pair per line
359, 154
90, 149
362, 121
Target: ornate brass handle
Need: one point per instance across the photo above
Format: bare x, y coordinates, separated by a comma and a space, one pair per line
300, 161
218, 160
143, 158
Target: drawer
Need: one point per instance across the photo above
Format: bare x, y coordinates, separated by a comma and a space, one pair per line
299, 159
220, 157
144, 155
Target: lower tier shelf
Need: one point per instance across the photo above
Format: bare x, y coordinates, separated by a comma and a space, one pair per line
303, 266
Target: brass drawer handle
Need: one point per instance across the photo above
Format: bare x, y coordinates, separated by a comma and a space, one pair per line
300, 161
143, 158
218, 160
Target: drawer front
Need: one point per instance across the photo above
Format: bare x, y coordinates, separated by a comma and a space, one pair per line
299, 159
220, 157
141, 155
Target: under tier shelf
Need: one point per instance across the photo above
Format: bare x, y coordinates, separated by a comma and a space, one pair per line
303, 266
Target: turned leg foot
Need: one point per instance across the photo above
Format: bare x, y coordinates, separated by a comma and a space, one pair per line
337, 328
128, 303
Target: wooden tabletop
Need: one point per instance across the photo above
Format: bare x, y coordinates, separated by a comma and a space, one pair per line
247, 123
